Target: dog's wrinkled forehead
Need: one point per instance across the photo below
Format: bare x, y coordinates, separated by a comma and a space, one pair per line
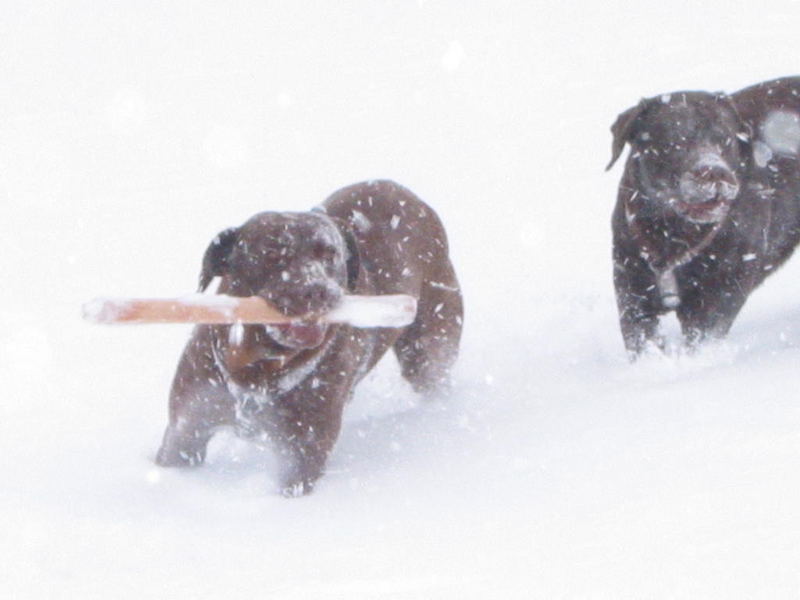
287, 232
678, 121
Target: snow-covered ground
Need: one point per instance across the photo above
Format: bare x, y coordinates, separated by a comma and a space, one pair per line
130, 133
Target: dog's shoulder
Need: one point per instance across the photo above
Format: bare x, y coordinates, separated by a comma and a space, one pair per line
374, 198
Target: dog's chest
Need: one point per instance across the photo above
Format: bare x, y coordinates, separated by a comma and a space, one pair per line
260, 402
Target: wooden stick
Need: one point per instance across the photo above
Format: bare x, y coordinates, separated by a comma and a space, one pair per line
396, 310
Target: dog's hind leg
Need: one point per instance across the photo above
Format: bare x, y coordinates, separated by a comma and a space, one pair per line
428, 348
199, 403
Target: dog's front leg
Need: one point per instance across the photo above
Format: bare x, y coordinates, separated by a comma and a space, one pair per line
638, 301
199, 403
711, 306
307, 427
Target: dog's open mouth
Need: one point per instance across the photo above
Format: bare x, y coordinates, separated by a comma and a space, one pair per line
298, 334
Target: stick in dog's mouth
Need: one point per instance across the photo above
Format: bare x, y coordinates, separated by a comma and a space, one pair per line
393, 310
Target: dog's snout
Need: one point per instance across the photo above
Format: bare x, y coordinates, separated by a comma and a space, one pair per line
317, 294
298, 300
712, 174
707, 179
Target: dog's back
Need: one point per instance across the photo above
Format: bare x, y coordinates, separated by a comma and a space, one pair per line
400, 238
403, 249
772, 110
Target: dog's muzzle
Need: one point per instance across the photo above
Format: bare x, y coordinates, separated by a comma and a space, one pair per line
706, 191
307, 302
298, 335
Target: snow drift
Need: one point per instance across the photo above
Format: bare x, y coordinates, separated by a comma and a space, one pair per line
130, 134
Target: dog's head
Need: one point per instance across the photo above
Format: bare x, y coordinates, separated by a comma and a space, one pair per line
687, 151
301, 263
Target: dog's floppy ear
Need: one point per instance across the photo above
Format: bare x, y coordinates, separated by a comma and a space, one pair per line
353, 259
353, 255
623, 128
215, 259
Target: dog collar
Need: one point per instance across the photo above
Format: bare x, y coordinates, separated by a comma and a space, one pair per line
664, 270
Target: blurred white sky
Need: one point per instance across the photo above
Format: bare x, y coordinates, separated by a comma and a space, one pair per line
132, 131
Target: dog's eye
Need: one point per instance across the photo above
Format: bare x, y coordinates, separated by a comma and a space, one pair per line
322, 251
271, 254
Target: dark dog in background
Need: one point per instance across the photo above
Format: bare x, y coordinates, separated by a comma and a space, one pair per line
289, 383
708, 206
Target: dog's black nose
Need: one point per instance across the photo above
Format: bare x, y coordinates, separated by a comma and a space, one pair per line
712, 174
706, 181
311, 298
316, 295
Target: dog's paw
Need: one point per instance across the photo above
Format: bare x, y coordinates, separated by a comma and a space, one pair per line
179, 458
297, 489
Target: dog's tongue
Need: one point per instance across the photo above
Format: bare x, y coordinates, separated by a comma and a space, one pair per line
302, 334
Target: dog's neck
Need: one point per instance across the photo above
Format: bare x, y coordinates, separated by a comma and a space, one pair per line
252, 360
661, 247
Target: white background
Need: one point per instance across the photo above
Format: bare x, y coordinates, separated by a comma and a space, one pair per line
131, 132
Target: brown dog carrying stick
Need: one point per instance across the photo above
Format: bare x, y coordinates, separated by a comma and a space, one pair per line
288, 383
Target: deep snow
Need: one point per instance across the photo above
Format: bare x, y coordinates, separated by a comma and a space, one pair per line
130, 133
